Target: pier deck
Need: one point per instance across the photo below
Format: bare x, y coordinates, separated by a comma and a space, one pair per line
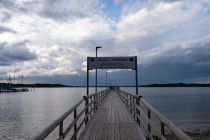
112, 121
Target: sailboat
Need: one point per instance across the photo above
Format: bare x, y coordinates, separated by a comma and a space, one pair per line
10, 84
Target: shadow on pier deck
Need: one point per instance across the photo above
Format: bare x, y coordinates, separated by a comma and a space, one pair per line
112, 121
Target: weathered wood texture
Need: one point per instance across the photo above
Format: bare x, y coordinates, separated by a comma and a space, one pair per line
112, 121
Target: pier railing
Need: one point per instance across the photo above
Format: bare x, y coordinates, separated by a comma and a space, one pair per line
143, 114
91, 104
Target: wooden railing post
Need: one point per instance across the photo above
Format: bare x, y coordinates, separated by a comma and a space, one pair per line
130, 104
94, 104
91, 106
149, 117
162, 128
127, 100
100, 98
86, 110
138, 111
96, 101
134, 108
75, 125
61, 130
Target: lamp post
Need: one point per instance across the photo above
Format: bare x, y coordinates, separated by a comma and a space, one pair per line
106, 77
97, 47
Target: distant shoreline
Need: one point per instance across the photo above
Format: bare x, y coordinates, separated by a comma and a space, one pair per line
47, 85
177, 85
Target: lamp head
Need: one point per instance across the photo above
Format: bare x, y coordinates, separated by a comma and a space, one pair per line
98, 47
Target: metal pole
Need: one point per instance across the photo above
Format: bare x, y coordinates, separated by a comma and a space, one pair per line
106, 79
86, 99
137, 92
136, 75
96, 73
87, 76
98, 47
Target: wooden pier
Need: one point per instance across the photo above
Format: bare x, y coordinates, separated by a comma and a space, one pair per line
114, 115
112, 121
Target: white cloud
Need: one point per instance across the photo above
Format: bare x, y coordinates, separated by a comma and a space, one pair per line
62, 33
58, 45
158, 20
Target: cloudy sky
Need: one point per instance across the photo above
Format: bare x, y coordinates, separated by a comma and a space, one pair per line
49, 40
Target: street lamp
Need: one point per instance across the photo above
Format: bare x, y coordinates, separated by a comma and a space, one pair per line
106, 77
97, 47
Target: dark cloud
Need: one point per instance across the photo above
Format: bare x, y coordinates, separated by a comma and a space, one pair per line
11, 5
14, 53
179, 62
5, 29
172, 73
64, 9
194, 53
59, 10
7, 3
5, 16
62, 16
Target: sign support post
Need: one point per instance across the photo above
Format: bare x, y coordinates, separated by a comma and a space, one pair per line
86, 100
87, 77
137, 93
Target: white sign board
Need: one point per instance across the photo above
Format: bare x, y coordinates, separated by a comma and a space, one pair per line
112, 62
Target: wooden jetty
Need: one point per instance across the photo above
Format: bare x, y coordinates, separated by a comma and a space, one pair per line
112, 121
114, 115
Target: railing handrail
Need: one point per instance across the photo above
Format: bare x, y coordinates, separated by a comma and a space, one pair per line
60, 120
52, 126
177, 131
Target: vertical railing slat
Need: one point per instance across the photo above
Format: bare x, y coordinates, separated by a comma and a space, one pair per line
75, 125
162, 128
86, 110
149, 117
61, 130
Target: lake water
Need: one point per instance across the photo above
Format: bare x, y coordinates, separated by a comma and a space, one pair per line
23, 115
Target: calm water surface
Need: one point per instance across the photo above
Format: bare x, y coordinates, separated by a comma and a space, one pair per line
23, 115
186, 107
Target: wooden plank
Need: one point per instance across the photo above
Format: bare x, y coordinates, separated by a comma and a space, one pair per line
100, 126
105, 134
116, 132
111, 132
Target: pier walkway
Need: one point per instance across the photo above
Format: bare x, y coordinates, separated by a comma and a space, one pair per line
112, 121
113, 115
